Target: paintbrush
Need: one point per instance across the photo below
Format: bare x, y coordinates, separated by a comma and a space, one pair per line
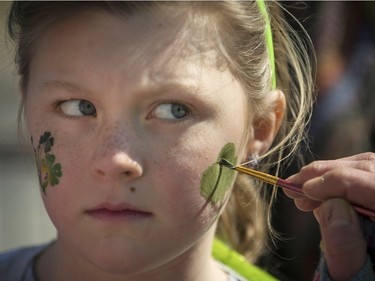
283, 183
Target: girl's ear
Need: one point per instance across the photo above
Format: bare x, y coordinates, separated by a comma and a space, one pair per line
264, 130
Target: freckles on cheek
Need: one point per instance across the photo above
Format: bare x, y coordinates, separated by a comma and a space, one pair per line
181, 180
197, 181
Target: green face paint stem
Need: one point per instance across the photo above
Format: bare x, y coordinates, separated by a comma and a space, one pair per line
216, 181
49, 172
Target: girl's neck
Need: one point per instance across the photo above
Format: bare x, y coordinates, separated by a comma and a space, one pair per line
56, 264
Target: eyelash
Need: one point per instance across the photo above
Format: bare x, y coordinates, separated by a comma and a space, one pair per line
58, 104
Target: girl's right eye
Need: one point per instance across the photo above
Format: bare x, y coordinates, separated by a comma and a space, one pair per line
78, 108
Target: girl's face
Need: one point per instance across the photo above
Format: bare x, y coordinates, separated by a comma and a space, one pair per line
138, 109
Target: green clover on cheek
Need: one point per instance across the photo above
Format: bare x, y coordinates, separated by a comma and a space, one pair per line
216, 181
49, 172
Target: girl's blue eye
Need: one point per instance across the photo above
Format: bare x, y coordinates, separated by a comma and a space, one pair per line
171, 111
78, 108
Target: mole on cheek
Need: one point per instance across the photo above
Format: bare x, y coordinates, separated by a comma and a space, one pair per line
216, 181
49, 171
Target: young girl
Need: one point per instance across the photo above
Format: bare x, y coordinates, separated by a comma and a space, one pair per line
129, 106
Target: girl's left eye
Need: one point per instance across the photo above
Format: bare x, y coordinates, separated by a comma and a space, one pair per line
78, 108
171, 111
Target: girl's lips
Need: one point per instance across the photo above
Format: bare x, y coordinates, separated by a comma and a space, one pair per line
122, 212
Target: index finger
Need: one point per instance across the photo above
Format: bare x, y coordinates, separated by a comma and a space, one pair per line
355, 185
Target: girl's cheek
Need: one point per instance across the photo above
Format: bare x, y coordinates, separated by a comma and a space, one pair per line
49, 168
216, 180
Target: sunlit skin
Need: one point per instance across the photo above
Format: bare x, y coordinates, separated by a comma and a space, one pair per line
132, 141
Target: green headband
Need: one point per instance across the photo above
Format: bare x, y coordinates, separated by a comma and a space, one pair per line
269, 41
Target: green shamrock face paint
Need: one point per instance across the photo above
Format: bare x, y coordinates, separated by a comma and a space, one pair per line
216, 181
49, 172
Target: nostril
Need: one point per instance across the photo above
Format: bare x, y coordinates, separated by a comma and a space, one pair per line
100, 173
116, 165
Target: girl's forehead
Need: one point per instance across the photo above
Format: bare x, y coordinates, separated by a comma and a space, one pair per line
188, 23
189, 29
142, 46
160, 35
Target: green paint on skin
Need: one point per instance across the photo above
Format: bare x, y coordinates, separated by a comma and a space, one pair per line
216, 181
49, 172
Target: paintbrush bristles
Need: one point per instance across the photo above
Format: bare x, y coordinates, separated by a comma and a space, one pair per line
225, 163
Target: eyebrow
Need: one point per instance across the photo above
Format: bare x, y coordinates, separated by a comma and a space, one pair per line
75, 88
65, 85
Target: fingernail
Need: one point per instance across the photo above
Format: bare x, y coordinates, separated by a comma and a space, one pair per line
340, 213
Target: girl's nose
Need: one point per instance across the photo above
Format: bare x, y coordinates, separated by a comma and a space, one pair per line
117, 165
114, 157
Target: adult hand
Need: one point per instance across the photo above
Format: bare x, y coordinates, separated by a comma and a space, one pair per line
328, 186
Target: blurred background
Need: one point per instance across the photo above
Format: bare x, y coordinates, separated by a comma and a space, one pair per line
23, 220
343, 120
343, 123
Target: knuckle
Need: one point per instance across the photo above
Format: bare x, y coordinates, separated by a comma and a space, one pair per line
344, 247
314, 166
368, 166
369, 156
340, 175
343, 173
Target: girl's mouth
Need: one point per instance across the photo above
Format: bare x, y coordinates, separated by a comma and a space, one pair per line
112, 213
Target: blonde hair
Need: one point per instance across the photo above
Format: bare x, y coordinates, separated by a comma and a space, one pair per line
246, 220
239, 30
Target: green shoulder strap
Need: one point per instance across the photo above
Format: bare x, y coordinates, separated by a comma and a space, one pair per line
238, 263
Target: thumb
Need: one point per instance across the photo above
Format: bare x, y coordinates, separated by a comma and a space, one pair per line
343, 244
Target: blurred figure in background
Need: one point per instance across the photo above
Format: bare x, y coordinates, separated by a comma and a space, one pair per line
343, 121
344, 118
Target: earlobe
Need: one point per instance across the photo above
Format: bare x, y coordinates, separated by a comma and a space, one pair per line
266, 127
